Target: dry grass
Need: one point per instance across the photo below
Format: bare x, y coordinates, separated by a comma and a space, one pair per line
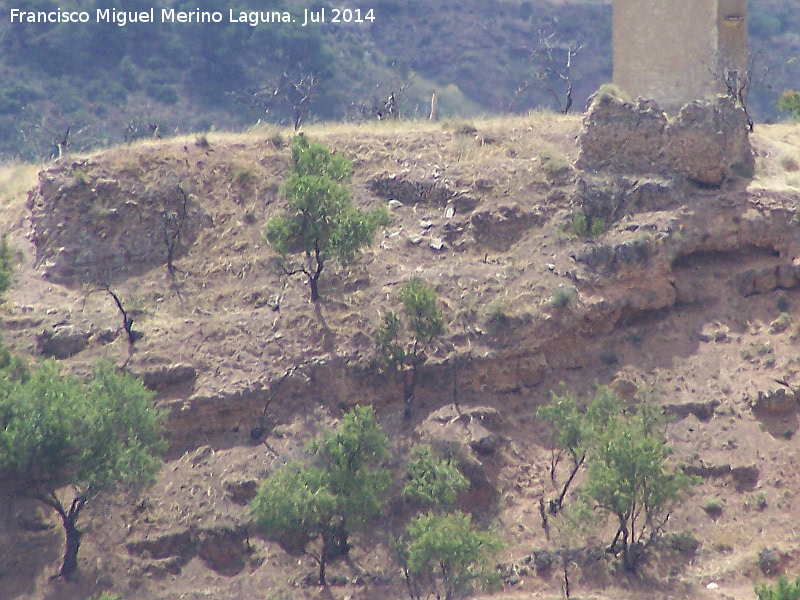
15, 180
778, 156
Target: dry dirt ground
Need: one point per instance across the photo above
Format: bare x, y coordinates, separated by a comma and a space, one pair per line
682, 299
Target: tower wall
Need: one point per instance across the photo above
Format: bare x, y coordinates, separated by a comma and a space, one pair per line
678, 50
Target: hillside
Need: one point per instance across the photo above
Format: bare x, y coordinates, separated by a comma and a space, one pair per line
681, 299
105, 84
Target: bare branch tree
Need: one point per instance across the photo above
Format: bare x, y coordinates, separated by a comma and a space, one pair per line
61, 143
736, 82
293, 92
551, 69
299, 95
379, 108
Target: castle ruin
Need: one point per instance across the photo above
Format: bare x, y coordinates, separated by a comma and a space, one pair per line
675, 51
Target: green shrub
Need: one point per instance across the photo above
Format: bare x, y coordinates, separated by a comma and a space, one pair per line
432, 480
498, 314
789, 102
612, 91
585, 227
556, 167
769, 559
713, 507
782, 590
404, 352
7, 261
562, 297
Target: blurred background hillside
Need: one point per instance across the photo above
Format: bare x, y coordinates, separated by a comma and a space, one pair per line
92, 84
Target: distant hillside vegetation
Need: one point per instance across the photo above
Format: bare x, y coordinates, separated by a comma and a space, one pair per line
83, 85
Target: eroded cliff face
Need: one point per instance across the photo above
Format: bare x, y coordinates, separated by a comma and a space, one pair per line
667, 300
493, 242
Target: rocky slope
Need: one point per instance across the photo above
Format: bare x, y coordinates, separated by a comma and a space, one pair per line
689, 296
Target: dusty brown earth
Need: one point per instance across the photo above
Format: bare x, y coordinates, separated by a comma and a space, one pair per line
681, 299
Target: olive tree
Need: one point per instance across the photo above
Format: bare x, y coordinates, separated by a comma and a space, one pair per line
446, 554
631, 479
320, 223
568, 435
62, 440
629, 476
345, 488
404, 351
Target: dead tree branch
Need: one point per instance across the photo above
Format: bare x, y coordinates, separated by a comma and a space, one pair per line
173, 223
551, 69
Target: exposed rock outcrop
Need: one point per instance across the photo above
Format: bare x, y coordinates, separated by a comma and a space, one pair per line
707, 142
62, 342
167, 376
102, 230
468, 436
409, 192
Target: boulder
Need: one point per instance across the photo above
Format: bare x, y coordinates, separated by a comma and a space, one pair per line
466, 435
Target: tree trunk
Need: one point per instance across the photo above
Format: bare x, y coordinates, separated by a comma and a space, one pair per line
312, 283
627, 561
73, 542
322, 559
409, 388
322, 580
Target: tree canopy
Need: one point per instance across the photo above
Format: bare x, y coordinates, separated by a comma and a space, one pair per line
404, 351
57, 432
444, 554
327, 501
320, 223
629, 476
432, 480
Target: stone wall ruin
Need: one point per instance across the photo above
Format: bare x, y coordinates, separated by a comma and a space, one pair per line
707, 142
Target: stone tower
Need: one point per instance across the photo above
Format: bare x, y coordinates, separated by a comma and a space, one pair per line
678, 50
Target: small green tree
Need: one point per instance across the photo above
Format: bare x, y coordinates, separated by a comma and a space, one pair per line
629, 477
320, 224
57, 432
431, 480
424, 323
568, 436
789, 102
783, 590
295, 506
446, 554
345, 490
575, 431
